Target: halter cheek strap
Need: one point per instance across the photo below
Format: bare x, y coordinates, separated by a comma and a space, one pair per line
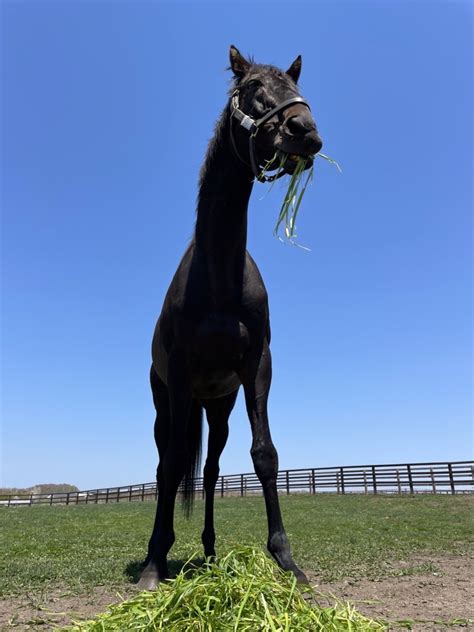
252, 126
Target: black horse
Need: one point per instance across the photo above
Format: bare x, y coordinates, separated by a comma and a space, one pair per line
213, 333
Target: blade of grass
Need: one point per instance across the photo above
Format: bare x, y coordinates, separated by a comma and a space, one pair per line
331, 160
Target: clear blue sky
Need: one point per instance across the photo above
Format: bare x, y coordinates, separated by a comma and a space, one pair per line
107, 111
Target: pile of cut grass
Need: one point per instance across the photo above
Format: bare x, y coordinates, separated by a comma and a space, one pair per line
243, 592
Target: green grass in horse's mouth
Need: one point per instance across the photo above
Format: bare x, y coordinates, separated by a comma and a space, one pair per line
296, 187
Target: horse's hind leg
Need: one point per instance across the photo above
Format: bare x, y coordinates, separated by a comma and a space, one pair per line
217, 412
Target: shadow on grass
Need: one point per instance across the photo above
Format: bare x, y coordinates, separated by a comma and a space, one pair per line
134, 568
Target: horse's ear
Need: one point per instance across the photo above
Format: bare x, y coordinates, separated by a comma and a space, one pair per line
295, 69
239, 65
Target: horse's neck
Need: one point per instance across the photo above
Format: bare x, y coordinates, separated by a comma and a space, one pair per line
221, 226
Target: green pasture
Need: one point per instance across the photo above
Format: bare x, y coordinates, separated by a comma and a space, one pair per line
334, 537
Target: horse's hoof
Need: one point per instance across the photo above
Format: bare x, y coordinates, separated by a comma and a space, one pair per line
150, 578
285, 561
300, 576
148, 582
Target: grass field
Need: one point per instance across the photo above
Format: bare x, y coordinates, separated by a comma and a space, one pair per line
336, 537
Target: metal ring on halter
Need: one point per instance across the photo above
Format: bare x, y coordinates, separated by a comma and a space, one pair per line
252, 126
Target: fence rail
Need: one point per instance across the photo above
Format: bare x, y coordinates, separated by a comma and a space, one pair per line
409, 478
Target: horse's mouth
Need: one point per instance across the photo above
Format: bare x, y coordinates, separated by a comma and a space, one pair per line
292, 161
284, 162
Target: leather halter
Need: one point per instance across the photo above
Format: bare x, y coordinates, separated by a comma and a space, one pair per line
252, 126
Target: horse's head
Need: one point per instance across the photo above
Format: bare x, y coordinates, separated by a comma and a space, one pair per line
269, 115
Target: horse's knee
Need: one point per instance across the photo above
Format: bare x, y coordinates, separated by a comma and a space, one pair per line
265, 460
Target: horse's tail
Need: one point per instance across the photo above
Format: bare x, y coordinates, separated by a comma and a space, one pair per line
193, 465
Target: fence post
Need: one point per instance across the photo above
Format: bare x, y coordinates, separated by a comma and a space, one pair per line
366, 491
143, 490
51, 499
222, 486
433, 481
107, 496
338, 483
451, 478
129, 493
118, 495
410, 479
313, 480
287, 482
96, 496
374, 479
343, 489
398, 483
67, 498
241, 484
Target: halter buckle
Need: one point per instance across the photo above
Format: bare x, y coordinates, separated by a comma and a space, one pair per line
247, 122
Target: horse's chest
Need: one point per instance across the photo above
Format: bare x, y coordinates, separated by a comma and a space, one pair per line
219, 342
217, 350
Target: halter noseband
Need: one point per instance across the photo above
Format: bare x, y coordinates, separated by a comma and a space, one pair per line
252, 126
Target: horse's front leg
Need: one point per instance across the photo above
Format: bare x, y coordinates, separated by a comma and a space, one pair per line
218, 412
172, 466
256, 380
161, 431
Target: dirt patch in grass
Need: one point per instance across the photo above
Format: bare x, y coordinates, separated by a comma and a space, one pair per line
56, 608
429, 593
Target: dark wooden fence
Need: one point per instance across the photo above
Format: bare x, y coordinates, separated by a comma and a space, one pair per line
408, 478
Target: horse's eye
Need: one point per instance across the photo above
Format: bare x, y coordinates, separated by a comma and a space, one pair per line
254, 83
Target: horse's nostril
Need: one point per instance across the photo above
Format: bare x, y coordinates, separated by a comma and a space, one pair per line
299, 125
318, 144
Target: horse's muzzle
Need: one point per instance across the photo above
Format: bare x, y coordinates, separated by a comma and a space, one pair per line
306, 146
